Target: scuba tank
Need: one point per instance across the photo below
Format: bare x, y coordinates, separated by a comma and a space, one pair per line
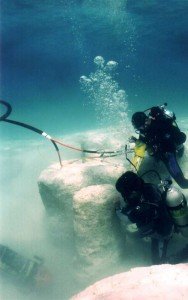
178, 209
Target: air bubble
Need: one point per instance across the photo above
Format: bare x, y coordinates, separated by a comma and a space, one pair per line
99, 61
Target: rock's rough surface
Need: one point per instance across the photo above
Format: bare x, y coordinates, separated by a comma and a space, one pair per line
57, 186
163, 282
81, 197
96, 228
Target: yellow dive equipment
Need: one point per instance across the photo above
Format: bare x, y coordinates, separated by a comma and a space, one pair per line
139, 153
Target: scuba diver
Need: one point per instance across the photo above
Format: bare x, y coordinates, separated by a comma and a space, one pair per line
30, 273
145, 207
162, 138
157, 211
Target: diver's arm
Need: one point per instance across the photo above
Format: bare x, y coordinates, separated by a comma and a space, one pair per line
121, 213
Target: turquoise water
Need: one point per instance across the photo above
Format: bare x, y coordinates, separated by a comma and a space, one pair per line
46, 47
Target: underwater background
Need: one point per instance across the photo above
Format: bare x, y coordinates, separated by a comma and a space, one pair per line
46, 48
47, 45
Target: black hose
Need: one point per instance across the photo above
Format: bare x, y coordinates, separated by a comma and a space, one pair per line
165, 104
8, 112
24, 125
54, 141
130, 160
58, 152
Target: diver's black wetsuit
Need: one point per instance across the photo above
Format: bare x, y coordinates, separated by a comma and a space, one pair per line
152, 219
162, 138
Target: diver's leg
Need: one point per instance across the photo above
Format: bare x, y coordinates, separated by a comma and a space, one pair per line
158, 250
180, 150
174, 169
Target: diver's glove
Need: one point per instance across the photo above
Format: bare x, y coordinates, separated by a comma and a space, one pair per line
120, 212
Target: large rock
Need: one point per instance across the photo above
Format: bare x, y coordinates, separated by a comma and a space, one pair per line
57, 186
167, 282
80, 200
97, 230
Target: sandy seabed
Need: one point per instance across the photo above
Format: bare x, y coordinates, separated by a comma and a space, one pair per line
24, 224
